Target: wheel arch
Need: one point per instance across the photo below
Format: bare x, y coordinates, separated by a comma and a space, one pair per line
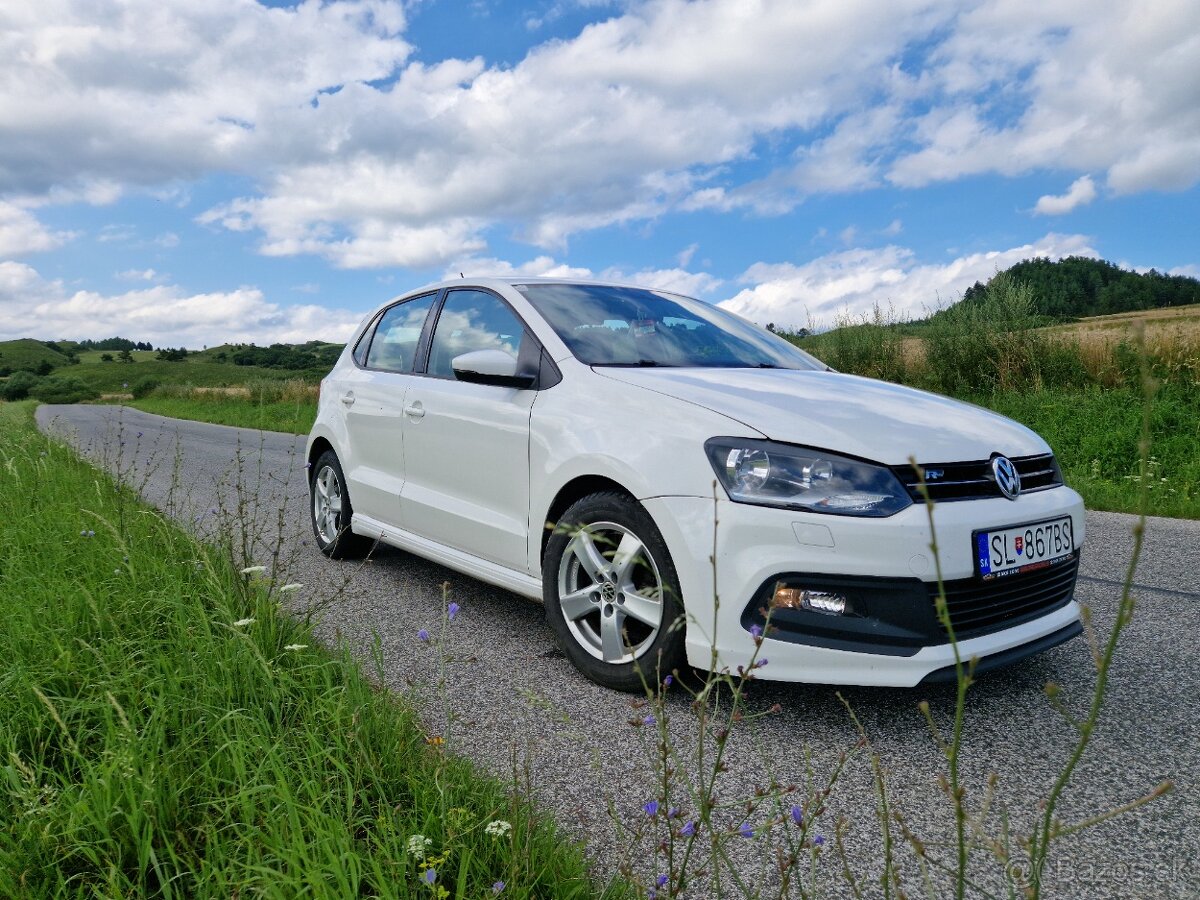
570, 493
318, 446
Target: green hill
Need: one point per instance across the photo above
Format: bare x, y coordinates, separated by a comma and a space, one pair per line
1076, 287
28, 354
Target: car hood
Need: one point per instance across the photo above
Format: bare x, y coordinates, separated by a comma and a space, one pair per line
862, 417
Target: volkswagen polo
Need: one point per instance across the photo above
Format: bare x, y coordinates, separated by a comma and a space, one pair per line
671, 481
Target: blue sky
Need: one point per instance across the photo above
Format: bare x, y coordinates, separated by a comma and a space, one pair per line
198, 171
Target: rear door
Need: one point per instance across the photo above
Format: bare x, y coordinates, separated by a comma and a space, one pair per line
466, 446
373, 398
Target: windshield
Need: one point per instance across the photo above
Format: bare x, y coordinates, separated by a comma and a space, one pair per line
618, 326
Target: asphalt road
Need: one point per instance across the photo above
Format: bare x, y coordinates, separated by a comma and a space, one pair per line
521, 708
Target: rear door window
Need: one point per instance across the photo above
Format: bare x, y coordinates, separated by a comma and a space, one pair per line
398, 335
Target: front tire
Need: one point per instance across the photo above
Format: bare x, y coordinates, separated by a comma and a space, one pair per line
331, 512
611, 593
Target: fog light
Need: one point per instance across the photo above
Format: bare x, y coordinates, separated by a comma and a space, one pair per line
815, 601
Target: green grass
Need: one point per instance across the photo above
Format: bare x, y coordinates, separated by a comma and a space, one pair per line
199, 370
1095, 434
152, 746
293, 418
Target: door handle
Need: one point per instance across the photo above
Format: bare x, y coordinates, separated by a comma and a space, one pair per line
414, 410
348, 399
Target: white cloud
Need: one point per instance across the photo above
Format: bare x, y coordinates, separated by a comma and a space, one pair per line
22, 233
145, 92
1020, 85
1081, 192
679, 280
685, 255
365, 159
32, 306
138, 275
1189, 271
855, 281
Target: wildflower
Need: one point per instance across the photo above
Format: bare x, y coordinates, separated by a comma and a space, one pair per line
746, 831
430, 876
651, 808
798, 815
755, 632
660, 881
818, 841
673, 812
497, 887
254, 570
296, 647
649, 720
688, 829
762, 662
240, 623
497, 828
87, 533
288, 588
422, 635
452, 611
417, 844
667, 681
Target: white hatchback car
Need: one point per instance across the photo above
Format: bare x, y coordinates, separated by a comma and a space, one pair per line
665, 476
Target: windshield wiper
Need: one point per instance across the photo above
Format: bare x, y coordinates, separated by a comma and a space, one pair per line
641, 363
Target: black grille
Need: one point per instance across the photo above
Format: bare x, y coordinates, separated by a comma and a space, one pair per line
979, 607
974, 480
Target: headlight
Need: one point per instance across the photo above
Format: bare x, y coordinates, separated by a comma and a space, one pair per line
772, 474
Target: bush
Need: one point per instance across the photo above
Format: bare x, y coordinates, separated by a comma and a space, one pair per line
63, 389
19, 385
144, 387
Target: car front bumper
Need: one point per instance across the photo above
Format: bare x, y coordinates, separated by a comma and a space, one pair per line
730, 551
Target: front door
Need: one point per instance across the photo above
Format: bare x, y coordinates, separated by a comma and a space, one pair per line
466, 446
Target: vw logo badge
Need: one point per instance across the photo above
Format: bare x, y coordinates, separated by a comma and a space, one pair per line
1008, 479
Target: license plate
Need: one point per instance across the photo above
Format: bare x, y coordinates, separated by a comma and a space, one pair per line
1023, 548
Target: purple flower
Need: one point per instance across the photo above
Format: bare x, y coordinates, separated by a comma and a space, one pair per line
430, 876
798, 815
649, 720
746, 831
497, 887
422, 635
452, 610
651, 808
688, 830
762, 662
755, 632
673, 812
667, 681
660, 881
818, 840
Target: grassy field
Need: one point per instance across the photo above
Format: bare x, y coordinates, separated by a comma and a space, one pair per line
167, 731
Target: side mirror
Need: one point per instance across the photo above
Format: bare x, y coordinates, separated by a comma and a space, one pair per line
490, 367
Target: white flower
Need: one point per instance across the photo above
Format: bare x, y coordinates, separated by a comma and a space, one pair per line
296, 647
288, 588
243, 622
497, 828
253, 570
417, 844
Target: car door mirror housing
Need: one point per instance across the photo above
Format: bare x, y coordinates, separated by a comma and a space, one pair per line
490, 367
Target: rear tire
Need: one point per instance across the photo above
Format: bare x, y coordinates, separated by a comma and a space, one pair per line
330, 510
612, 595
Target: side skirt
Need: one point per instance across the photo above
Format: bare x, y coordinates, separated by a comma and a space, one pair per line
484, 570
